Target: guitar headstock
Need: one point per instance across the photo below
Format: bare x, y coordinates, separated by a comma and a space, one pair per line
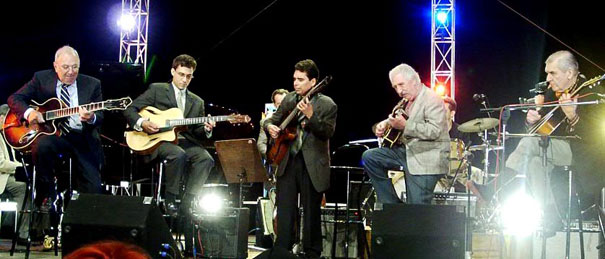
593, 81
118, 104
320, 86
238, 118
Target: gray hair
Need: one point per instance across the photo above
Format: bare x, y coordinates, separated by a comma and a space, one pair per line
3, 109
564, 60
66, 50
406, 71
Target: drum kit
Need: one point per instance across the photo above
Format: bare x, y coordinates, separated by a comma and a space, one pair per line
460, 155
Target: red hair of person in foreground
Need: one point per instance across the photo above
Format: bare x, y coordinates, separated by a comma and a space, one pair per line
108, 250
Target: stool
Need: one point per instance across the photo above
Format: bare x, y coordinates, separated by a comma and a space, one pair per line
31, 188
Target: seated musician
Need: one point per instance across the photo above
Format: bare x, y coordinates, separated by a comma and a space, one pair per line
422, 150
188, 159
79, 133
8, 183
562, 76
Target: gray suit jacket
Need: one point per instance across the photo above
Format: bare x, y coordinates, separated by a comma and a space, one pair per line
7, 167
426, 135
315, 147
161, 96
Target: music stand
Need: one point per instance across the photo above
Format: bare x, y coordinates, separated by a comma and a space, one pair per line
241, 162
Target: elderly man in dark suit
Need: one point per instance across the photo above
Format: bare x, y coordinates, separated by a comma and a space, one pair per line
80, 137
306, 167
422, 151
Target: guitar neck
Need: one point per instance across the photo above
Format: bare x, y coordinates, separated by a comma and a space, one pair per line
197, 120
66, 112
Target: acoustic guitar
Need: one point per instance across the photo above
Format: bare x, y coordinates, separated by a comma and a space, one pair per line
392, 135
170, 122
19, 134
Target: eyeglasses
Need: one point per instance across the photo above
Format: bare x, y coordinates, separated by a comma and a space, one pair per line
73, 67
189, 76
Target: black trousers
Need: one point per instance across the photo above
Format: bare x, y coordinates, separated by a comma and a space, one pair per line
187, 161
46, 150
296, 180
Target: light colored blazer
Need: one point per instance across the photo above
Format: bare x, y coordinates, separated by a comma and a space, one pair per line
426, 135
7, 167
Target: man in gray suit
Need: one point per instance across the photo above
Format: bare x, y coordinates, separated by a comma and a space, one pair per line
8, 183
306, 167
423, 149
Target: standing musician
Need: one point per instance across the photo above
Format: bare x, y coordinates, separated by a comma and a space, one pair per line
306, 167
80, 137
422, 150
188, 159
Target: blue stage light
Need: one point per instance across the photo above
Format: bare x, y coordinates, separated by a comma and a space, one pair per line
442, 17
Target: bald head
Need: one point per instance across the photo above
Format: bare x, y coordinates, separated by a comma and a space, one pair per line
66, 50
67, 64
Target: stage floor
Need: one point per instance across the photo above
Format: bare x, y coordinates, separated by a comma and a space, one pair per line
485, 246
37, 253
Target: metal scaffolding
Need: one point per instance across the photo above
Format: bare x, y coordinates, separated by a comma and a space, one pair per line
443, 39
133, 42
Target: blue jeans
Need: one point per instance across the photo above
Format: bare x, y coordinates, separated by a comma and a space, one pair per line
377, 161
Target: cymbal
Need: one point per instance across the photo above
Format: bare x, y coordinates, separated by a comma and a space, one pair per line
478, 125
482, 147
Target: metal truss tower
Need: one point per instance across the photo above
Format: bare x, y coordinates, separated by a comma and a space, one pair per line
443, 41
133, 42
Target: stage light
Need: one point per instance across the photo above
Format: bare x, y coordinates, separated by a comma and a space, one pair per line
126, 22
442, 17
440, 89
211, 203
520, 214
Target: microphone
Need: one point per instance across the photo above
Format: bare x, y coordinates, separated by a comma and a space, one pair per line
539, 88
479, 97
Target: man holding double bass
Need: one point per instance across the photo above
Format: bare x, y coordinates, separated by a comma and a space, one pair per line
305, 168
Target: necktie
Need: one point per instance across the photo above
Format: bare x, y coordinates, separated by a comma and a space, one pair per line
64, 96
181, 100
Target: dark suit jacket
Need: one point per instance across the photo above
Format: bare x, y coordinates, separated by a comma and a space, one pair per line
162, 96
43, 87
319, 129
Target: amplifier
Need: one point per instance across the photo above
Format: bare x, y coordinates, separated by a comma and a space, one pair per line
456, 199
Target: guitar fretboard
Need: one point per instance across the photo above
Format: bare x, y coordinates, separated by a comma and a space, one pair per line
66, 112
197, 120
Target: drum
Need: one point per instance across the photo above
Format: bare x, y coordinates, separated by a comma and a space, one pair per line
456, 154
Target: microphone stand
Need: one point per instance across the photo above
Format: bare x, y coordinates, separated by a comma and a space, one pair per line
544, 142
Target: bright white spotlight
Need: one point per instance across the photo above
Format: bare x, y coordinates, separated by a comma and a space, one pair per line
520, 214
126, 22
442, 17
211, 203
